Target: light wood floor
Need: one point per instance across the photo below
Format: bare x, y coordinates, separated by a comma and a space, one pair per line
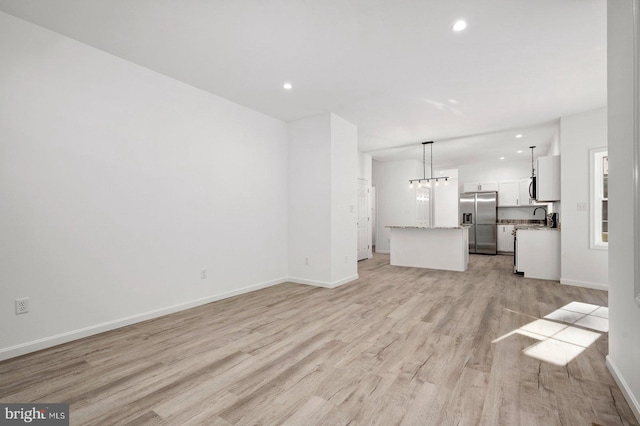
398, 346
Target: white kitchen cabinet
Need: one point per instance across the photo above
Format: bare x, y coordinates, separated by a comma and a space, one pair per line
508, 193
515, 193
538, 253
524, 199
480, 186
505, 239
470, 187
548, 179
489, 186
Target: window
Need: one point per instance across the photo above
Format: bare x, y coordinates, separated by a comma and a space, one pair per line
599, 198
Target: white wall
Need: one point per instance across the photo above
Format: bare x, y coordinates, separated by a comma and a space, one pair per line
364, 166
555, 147
446, 199
624, 312
118, 184
521, 213
581, 265
396, 201
323, 170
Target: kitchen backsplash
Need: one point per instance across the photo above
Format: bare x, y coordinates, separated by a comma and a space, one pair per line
526, 213
521, 222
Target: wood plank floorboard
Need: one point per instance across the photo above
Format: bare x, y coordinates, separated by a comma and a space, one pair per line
399, 346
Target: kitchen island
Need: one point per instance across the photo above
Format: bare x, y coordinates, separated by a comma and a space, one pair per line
433, 248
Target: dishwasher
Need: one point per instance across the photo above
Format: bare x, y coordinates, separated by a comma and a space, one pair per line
515, 252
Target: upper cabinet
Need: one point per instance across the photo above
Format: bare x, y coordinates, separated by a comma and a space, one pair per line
525, 197
548, 179
515, 193
508, 193
480, 186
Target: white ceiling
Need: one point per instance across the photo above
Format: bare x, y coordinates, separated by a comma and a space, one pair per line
393, 68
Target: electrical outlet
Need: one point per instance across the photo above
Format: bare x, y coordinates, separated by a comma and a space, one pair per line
306, 260
203, 274
22, 305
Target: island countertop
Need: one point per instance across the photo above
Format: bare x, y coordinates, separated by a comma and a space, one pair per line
426, 227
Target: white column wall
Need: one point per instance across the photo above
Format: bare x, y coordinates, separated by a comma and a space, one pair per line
323, 168
118, 185
344, 201
310, 200
624, 313
581, 265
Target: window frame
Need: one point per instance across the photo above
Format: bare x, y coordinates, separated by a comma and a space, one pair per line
596, 157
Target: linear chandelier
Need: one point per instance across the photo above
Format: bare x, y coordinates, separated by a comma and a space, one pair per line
424, 169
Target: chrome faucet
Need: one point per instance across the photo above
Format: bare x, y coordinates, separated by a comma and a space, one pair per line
545, 214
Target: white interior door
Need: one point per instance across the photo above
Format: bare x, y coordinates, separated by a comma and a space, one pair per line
374, 223
364, 243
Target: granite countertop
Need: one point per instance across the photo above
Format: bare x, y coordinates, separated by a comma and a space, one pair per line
530, 222
534, 228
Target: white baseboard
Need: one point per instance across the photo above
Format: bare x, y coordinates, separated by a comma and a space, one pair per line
47, 342
345, 280
324, 284
383, 251
622, 384
58, 339
585, 284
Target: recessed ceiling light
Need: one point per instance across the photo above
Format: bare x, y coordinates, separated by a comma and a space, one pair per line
518, 136
453, 101
287, 86
459, 25
502, 158
519, 151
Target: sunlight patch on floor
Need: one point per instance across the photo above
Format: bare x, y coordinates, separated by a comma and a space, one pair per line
560, 341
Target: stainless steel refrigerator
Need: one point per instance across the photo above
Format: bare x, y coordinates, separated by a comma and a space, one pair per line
479, 210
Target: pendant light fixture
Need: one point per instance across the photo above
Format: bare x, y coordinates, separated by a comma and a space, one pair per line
424, 169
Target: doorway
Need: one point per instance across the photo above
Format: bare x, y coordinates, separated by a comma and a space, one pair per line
363, 223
